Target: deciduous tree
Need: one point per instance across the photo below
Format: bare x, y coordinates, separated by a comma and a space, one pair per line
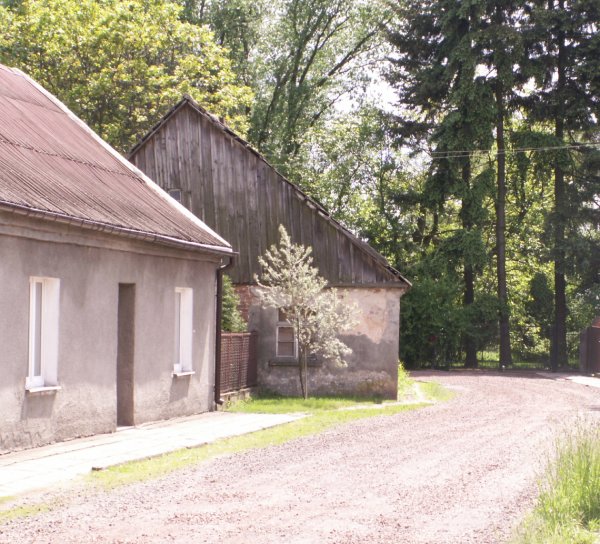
290, 283
120, 64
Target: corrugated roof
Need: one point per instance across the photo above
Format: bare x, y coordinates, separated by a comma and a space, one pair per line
361, 245
52, 165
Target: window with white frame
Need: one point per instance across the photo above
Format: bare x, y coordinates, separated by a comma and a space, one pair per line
184, 298
286, 337
43, 332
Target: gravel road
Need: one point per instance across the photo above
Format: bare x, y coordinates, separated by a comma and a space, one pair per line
458, 472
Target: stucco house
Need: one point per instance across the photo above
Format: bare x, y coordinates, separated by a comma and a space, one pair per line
108, 298
217, 175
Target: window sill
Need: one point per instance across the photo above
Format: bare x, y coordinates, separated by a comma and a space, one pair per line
292, 361
42, 390
183, 373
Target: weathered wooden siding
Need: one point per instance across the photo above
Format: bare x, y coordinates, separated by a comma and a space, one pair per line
245, 200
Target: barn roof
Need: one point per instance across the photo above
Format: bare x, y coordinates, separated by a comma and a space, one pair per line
391, 273
53, 166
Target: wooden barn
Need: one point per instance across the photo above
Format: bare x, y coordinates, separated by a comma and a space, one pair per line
217, 175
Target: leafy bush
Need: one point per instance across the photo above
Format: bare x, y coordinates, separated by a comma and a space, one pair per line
232, 320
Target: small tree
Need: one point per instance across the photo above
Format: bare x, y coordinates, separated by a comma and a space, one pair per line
232, 320
290, 283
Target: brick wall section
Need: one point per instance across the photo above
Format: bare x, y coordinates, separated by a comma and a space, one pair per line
246, 299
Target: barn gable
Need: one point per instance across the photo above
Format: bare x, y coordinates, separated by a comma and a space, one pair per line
232, 188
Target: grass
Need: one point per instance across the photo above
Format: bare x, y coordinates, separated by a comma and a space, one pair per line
321, 413
321, 416
435, 392
568, 507
24, 511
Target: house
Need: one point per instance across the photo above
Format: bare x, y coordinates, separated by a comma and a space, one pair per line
108, 298
218, 176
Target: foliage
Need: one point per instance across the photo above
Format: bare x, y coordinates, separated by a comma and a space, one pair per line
238, 25
290, 283
405, 382
568, 509
232, 320
120, 64
462, 72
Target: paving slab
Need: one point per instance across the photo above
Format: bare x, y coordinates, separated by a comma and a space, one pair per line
51, 465
590, 381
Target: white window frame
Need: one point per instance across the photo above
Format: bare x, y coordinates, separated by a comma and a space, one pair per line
281, 323
184, 330
44, 298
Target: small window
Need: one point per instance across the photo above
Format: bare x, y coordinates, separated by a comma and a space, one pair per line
183, 329
43, 332
286, 337
177, 194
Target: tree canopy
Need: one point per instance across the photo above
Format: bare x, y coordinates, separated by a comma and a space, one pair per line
121, 64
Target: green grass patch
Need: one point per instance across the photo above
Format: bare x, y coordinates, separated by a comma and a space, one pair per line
435, 392
320, 420
268, 403
568, 507
323, 413
24, 511
405, 382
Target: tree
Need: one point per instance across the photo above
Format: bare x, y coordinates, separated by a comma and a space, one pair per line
448, 107
120, 64
290, 283
564, 49
232, 320
312, 53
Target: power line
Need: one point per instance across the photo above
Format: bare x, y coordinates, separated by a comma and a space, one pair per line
469, 153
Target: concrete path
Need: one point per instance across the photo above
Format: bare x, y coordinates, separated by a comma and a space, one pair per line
590, 381
44, 467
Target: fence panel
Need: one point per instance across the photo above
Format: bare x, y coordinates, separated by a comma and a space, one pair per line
238, 361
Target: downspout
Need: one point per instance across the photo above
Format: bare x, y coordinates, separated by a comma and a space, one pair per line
219, 319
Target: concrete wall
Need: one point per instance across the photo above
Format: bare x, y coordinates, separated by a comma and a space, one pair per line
90, 267
372, 368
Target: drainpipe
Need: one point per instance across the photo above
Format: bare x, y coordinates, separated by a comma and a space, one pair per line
219, 318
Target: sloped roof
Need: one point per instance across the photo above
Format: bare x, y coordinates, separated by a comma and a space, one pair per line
54, 166
187, 101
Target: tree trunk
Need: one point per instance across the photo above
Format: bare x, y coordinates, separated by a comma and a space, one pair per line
301, 368
558, 355
503, 321
468, 272
469, 298
305, 373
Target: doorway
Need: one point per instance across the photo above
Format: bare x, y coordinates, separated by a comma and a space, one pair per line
125, 354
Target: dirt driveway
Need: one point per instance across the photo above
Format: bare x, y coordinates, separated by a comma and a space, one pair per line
459, 472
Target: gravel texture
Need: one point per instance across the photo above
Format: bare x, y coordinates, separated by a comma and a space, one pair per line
463, 472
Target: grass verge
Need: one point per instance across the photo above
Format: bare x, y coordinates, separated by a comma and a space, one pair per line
321, 416
568, 507
322, 413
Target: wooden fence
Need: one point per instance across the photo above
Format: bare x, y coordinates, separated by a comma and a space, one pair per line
238, 361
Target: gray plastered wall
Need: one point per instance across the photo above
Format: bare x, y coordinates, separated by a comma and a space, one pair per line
372, 368
90, 266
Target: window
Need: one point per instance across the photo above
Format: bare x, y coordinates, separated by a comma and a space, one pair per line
43, 332
176, 194
286, 338
183, 330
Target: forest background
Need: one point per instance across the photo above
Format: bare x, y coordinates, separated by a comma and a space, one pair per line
459, 138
